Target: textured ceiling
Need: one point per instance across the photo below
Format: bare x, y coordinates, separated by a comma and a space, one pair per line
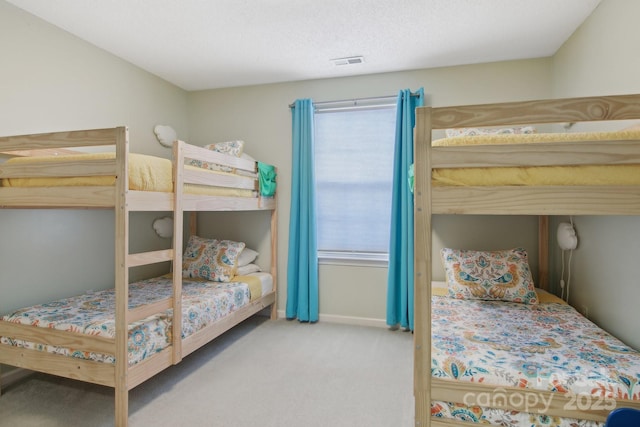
206, 44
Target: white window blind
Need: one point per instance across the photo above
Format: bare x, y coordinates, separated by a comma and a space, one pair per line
354, 148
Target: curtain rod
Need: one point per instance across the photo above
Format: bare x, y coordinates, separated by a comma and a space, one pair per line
355, 101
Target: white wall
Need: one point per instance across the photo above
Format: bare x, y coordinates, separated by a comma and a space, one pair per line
50, 81
260, 116
601, 58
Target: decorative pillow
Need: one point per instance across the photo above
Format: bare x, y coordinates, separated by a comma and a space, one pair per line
247, 256
489, 275
231, 148
489, 131
248, 269
211, 259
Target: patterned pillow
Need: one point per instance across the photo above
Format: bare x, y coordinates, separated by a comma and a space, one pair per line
489, 131
211, 259
231, 148
489, 275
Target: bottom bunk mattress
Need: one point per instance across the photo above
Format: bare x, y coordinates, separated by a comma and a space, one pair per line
547, 346
92, 313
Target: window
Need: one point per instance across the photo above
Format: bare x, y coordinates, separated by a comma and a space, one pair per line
354, 148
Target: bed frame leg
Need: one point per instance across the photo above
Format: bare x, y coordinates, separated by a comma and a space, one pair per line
274, 311
122, 406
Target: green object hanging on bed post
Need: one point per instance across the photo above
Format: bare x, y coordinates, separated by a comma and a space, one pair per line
267, 177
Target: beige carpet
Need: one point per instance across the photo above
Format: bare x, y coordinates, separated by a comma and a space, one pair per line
261, 373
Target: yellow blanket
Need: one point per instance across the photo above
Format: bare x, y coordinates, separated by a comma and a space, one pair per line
255, 286
547, 175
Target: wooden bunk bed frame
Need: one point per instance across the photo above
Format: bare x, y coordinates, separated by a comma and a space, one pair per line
120, 375
509, 200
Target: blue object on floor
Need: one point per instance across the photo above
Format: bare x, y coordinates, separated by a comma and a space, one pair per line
623, 417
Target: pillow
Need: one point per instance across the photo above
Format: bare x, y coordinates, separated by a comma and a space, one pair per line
248, 269
247, 256
211, 259
231, 148
489, 131
489, 275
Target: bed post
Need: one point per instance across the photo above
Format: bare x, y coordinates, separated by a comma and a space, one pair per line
178, 222
422, 275
274, 259
121, 277
543, 252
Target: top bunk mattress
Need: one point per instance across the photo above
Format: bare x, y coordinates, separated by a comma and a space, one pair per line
146, 173
623, 174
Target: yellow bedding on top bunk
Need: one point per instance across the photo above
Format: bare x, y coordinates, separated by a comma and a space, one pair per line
538, 175
146, 173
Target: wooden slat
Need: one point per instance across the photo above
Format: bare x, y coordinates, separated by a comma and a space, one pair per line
57, 197
584, 407
149, 201
153, 257
622, 107
57, 337
543, 252
210, 156
178, 226
55, 364
422, 270
142, 371
193, 202
538, 154
595, 200
202, 177
440, 422
274, 259
121, 280
55, 169
79, 138
43, 152
147, 310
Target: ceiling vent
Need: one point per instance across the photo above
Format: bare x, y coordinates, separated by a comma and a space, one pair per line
351, 60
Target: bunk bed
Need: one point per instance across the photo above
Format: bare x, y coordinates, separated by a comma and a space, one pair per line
60, 173
433, 388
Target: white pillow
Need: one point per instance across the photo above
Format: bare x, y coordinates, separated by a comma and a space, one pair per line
248, 269
247, 256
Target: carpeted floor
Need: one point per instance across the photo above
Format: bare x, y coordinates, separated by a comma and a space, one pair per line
261, 373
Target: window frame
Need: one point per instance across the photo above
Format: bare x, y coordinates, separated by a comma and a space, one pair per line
356, 258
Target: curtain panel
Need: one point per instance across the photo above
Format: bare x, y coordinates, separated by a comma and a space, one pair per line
401, 261
302, 263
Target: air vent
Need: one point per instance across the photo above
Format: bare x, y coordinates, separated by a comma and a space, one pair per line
351, 60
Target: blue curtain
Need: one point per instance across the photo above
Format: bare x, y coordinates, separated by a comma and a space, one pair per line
400, 276
302, 267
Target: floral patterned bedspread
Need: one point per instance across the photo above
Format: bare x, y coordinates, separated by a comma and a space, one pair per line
93, 313
544, 346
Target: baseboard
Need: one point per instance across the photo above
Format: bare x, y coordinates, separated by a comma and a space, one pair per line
14, 375
346, 320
